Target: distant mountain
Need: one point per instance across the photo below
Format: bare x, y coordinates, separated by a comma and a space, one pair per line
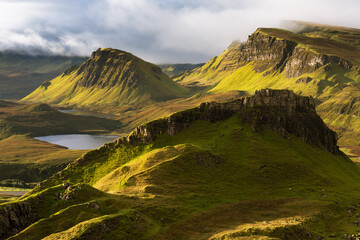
110, 78
322, 61
260, 167
174, 70
20, 74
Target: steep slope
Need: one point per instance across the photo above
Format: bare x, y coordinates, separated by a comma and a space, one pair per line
215, 69
109, 78
253, 167
321, 61
21, 74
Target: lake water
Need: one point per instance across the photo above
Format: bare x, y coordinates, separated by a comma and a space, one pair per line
93, 114
78, 141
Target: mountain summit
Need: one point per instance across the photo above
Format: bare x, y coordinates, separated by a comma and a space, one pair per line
109, 77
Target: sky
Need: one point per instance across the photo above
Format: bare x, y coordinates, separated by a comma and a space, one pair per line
159, 31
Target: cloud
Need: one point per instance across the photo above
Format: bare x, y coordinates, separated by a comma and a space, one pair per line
156, 30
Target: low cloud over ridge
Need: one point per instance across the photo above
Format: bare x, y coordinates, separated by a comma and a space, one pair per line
158, 31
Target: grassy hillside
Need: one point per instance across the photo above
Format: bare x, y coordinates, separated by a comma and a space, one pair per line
21, 74
109, 78
320, 60
214, 70
212, 180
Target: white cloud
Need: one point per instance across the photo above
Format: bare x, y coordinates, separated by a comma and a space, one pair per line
159, 31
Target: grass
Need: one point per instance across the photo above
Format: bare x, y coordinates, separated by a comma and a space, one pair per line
214, 70
210, 181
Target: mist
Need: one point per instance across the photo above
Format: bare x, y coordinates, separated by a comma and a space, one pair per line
157, 31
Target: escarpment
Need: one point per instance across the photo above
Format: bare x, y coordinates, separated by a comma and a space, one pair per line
280, 110
273, 51
280, 54
303, 60
267, 51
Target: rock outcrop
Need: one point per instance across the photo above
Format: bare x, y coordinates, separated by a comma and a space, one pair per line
271, 52
70, 69
280, 110
17, 216
267, 51
303, 60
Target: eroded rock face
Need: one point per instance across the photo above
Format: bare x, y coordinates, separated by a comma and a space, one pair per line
281, 110
305, 61
70, 69
275, 54
15, 217
266, 50
108, 68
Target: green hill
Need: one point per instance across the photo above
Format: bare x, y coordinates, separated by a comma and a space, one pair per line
322, 61
21, 74
110, 78
261, 167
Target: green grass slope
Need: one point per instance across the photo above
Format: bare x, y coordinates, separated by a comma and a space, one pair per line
212, 180
214, 70
21, 74
109, 78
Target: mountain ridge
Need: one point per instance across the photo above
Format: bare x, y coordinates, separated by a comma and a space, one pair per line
201, 160
319, 62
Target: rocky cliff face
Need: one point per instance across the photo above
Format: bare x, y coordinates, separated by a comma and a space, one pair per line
271, 52
303, 60
281, 110
16, 217
266, 50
